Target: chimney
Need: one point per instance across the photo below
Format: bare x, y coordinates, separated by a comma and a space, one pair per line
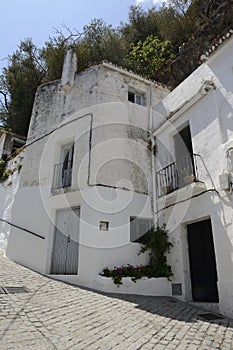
69, 69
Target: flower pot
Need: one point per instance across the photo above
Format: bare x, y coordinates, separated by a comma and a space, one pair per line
155, 286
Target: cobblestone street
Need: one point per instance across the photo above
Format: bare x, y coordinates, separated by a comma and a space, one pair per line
54, 315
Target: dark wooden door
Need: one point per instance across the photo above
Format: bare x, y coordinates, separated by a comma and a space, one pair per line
202, 262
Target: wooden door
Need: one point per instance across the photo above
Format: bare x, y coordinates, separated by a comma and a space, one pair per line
66, 242
202, 262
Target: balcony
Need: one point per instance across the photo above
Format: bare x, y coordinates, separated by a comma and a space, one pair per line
62, 176
177, 175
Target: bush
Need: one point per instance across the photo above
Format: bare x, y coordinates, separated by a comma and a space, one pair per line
135, 272
158, 246
156, 242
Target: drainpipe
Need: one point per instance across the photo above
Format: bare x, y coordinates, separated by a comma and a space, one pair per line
152, 140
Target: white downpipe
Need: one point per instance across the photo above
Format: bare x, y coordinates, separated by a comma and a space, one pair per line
152, 140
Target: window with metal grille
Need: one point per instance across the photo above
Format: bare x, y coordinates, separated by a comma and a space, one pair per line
63, 171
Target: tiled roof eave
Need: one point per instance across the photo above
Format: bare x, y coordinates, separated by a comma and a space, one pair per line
204, 57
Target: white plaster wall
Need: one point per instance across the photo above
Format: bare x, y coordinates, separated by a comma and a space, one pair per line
119, 151
108, 248
211, 123
6, 198
29, 213
177, 217
113, 154
97, 248
8, 191
92, 87
144, 286
221, 64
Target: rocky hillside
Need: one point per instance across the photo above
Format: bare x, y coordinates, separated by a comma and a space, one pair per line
218, 22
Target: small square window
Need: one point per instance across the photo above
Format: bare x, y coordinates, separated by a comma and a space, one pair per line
137, 97
104, 226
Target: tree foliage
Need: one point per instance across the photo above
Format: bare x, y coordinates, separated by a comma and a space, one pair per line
146, 44
52, 56
149, 57
100, 42
141, 24
20, 81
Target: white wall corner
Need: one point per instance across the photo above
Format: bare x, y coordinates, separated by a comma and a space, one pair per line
69, 69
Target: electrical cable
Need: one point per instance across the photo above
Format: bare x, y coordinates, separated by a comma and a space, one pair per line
187, 199
21, 228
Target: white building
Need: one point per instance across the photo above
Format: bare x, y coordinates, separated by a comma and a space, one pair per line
88, 170
193, 128
86, 173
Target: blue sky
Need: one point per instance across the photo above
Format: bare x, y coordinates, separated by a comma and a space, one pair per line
21, 19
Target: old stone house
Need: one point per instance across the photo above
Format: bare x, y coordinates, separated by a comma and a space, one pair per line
86, 173
108, 154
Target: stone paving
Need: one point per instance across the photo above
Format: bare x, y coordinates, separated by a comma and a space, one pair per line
54, 315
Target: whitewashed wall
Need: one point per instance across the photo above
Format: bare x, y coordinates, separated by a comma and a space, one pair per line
8, 190
111, 150
210, 116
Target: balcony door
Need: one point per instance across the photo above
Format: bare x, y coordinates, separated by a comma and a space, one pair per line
184, 155
67, 164
62, 176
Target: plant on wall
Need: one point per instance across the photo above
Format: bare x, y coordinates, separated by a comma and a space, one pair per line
2, 170
157, 244
4, 174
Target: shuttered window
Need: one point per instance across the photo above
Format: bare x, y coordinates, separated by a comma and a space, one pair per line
139, 227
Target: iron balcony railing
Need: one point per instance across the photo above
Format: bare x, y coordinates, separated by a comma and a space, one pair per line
177, 174
62, 176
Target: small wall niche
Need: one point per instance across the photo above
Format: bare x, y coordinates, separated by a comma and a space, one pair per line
104, 225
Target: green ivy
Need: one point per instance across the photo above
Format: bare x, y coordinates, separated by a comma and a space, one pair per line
4, 174
2, 169
157, 244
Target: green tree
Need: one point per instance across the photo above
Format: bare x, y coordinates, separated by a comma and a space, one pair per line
20, 80
52, 56
149, 57
140, 25
178, 20
4, 107
146, 44
100, 42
